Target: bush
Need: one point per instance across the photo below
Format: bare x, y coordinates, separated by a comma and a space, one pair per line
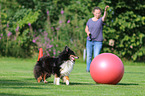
126, 29
63, 25
13, 42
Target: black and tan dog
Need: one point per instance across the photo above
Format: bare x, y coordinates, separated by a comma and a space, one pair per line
48, 65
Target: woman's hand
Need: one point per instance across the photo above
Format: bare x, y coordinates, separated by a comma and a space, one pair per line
106, 8
105, 13
88, 33
87, 30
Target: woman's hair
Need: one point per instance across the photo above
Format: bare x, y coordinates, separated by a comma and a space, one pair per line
97, 8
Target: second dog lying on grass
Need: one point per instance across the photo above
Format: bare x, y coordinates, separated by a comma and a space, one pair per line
58, 66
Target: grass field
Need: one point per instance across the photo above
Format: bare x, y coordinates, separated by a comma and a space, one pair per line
16, 78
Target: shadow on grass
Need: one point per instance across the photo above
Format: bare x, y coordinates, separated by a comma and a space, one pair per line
8, 94
70, 83
10, 85
76, 83
135, 72
18, 84
127, 84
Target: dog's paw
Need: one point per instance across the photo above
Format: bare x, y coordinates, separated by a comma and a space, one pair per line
54, 82
57, 81
67, 82
45, 81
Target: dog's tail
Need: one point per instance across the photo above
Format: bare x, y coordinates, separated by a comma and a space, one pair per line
37, 70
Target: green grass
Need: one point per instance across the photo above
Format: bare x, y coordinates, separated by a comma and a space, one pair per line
16, 78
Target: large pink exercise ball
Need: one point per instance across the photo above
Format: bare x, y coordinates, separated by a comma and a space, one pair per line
106, 68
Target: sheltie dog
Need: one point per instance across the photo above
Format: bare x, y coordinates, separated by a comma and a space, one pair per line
60, 66
66, 69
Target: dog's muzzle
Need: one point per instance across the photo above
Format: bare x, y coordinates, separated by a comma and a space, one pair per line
73, 57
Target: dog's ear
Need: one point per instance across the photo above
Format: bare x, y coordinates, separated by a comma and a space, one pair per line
66, 48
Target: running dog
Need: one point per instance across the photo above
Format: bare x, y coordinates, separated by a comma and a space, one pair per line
48, 65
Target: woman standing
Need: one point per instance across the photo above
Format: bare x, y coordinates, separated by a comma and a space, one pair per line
94, 30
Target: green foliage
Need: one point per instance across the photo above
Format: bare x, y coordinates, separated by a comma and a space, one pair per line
15, 36
127, 24
20, 46
24, 17
124, 33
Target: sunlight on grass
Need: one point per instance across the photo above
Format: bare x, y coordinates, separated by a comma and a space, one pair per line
16, 78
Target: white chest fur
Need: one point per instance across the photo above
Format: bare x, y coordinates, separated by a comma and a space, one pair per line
67, 67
